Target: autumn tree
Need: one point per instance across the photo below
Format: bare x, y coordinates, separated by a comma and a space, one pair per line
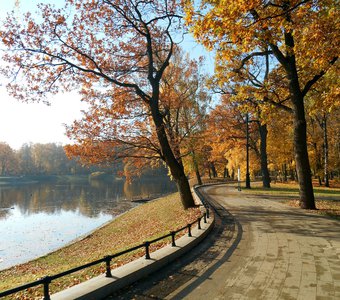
241, 86
226, 134
184, 98
116, 52
8, 160
25, 159
46, 159
303, 37
280, 146
323, 109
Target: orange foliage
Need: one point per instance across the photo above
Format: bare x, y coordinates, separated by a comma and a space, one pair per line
116, 53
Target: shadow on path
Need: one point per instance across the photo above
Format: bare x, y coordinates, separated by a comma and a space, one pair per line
223, 214
194, 267
258, 249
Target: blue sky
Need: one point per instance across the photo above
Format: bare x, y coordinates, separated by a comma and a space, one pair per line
35, 122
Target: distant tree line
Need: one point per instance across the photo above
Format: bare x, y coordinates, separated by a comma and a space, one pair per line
41, 159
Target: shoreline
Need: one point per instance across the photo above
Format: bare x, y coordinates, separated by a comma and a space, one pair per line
77, 239
124, 231
50, 215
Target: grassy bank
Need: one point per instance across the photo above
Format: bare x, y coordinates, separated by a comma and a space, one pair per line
327, 199
143, 223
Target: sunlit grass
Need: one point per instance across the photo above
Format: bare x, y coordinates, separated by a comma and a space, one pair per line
330, 208
291, 189
327, 200
142, 223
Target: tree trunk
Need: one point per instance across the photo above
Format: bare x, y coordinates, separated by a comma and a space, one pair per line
225, 172
175, 167
292, 173
318, 160
263, 153
284, 172
213, 169
247, 153
325, 144
301, 154
197, 172
198, 177
300, 125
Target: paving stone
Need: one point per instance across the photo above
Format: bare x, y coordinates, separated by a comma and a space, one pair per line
289, 256
274, 253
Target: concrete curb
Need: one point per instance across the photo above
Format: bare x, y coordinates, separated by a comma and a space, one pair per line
101, 286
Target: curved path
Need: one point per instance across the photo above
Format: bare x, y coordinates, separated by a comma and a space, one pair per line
260, 249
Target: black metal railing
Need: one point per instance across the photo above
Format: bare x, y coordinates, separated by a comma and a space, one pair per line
46, 281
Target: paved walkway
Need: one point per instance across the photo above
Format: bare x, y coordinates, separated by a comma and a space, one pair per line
265, 251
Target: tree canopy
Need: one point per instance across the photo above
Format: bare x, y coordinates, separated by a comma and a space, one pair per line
301, 37
116, 52
148, 101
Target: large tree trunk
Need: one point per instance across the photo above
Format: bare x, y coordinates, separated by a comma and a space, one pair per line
175, 167
300, 134
176, 170
301, 154
263, 153
300, 125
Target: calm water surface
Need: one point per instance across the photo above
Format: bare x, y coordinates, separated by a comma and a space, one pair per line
38, 218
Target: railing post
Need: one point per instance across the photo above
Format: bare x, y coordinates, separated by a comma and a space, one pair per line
173, 244
199, 223
108, 266
207, 208
205, 217
47, 281
147, 253
189, 230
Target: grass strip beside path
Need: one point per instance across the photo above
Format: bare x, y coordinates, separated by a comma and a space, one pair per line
327, 200
145, 222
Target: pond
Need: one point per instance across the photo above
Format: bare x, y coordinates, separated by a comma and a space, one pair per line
39, 217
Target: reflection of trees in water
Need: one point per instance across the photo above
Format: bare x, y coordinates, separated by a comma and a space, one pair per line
4, 213
148, 187
90, 197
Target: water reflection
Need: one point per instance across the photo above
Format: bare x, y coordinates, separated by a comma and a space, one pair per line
40, 217
87, 196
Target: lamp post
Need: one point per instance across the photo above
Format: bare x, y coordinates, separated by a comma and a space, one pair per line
247, 147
